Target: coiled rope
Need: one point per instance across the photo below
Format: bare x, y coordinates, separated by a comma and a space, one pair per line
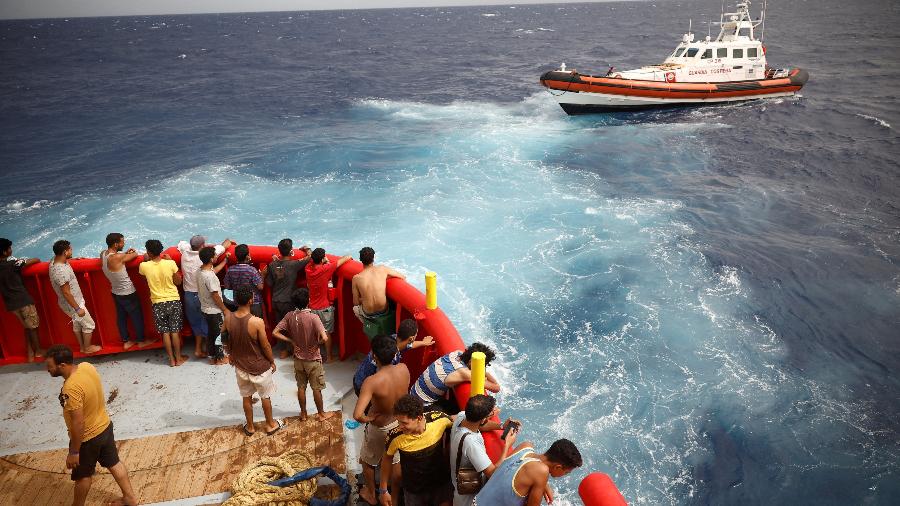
252, 486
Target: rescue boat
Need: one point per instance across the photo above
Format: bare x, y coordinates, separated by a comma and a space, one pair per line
730, 68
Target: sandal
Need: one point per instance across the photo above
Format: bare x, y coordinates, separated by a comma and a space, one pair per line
276, 429
247, 432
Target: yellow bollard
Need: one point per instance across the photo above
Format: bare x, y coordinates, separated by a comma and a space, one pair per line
431, 290
478, 373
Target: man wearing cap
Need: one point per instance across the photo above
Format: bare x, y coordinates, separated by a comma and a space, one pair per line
190, 267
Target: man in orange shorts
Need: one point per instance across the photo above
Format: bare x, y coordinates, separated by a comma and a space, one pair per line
16, 298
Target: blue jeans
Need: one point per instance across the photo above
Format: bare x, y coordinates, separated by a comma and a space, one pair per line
194, 315
129, 306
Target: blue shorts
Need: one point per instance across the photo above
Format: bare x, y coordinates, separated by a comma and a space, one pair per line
194, 315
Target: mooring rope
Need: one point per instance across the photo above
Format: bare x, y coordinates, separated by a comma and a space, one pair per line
252, 486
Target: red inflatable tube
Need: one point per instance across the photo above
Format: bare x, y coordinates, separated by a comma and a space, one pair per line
598, 489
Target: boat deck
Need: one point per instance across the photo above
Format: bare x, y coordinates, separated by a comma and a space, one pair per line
172, 466
178, 430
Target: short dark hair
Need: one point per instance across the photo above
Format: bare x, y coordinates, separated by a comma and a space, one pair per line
154, 247
384, 348
112, 238
60, 353
466, 356
206, 254
243, 295
60, 246
241, 251
318, 255
407, 329
300, 298
409, 406
285, 246
564, 452
479, 407
367, 255
5, 244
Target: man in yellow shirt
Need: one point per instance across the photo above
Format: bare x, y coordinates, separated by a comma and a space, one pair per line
425, 470
163, 277
91, 437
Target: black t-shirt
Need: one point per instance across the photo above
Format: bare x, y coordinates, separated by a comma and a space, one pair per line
11, 286
283, 277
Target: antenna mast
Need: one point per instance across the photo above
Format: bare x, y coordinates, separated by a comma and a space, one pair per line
762, 31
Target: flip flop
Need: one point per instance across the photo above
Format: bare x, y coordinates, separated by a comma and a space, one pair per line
276, 429
247, 432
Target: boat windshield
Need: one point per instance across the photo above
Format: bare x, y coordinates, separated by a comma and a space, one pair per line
692, 52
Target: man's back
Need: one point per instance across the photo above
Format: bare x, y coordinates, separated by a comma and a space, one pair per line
12, 288
370, 284
243, 344
283, 274
304, 329
388, 384
507, 486
159, 274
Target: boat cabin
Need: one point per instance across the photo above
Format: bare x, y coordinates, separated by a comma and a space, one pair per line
734, 55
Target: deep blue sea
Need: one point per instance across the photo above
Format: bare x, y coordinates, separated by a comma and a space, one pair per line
706, 300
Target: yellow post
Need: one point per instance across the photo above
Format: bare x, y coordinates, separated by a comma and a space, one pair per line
431, 290
478, 373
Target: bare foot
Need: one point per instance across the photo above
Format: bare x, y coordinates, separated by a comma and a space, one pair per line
324, 416
30, 358
200, 354
144, 344
303, 416
40, 353
91, 349
367, 495
173, 363
221, 361
181, 360
128, 344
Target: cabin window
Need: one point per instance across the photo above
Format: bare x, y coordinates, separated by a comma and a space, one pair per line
751, 52
679, 52
722, 52
707, 54
692, 52
738, 53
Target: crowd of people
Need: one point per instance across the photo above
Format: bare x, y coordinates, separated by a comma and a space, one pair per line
428, 451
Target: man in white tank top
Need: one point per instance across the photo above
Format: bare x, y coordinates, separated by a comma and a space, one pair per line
128, 305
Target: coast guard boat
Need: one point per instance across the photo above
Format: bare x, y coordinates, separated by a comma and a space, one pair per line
729, 68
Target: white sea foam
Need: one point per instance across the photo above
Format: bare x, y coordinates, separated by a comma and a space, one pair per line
878, 121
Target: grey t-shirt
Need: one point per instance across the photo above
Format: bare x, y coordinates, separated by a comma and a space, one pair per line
474, 455
60, 274
283, 277
208, 284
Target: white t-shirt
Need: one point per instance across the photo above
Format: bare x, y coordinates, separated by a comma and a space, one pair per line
208, 284
474, 455
190, 264
61, 274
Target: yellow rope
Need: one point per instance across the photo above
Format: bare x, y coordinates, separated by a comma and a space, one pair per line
252, 487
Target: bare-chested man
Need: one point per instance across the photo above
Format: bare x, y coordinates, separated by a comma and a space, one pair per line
382, 390
370, 303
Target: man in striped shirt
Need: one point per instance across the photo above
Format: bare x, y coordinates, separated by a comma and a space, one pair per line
448, 371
